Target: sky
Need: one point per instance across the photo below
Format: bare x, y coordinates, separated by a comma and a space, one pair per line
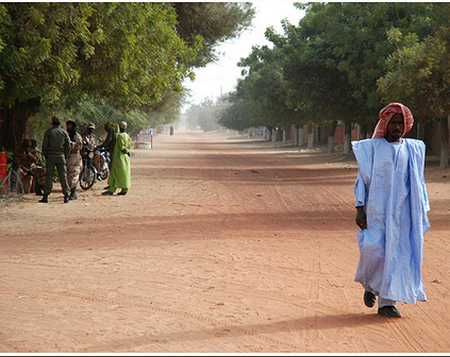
221, 77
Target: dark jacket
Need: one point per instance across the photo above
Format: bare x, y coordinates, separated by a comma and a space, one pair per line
56, 143
110, 141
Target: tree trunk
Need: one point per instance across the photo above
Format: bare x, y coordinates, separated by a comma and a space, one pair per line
347, 138
420, 128
444, 142
301, 134
284, 136
297, 136
310, 136
363, 131
13, 126
333, 127
330, 144
268, 133
274, 135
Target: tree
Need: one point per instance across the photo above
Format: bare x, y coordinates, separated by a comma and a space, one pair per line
336, 55
236, 115
319, 90
127, 53
214, 22
419, 70
360, 45
260, 97
204, 116
112, 50
420, 76
36, 51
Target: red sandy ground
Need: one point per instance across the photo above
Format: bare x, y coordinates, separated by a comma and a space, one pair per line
223, 245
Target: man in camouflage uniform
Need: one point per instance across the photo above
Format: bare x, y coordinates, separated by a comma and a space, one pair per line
91, 141
89, 138
55, 147
74, 160
39, 170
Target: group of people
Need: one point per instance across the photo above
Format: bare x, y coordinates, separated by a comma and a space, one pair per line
62, 150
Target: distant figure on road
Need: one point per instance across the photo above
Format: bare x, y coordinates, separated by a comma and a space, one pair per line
120, 176
150, 132
392, 205
55, 147
171, 130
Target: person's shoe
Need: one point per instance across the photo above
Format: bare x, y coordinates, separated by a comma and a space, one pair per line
122, 193
39, 190
73, 194
369, 299
44, 199
107, 193
106, 188
389, 311
66, 198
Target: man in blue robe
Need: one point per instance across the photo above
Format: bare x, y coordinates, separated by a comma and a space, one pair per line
392, 205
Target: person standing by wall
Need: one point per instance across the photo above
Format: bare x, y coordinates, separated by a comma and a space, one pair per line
120, 176
55, 147
74, 159
392, 205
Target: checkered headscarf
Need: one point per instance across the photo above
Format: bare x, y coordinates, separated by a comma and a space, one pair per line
386, 115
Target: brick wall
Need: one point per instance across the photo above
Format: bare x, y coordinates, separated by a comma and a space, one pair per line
339, 134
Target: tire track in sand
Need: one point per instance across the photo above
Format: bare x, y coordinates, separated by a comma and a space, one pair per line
213, 322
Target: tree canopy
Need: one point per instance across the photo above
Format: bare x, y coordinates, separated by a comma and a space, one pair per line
133, 55
345, 60
214, 22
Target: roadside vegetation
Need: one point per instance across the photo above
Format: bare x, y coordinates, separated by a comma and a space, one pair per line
99, 61
341, 64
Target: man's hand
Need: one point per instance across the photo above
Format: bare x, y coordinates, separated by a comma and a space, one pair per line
361, 219
127, 152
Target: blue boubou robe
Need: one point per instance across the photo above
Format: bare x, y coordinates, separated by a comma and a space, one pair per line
391, 187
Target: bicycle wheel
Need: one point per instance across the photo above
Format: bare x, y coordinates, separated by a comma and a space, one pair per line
87, 178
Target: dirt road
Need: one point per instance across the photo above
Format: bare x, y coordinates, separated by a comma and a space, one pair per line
223, 245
